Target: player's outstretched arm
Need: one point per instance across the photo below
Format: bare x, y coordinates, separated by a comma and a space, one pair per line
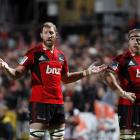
13, 73
113, 84
74, 76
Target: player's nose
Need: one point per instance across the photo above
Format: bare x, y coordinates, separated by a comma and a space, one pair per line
49, 35
135, 41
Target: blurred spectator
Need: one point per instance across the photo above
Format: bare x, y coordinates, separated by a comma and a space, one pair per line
107, 121
7, 132
72, 118
22, 121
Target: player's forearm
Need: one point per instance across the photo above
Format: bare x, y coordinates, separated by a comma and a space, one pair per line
113, 84
12, 73
116, 87
75, 76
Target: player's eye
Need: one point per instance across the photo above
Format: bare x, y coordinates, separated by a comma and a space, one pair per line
138, 40
51, 32
132, 38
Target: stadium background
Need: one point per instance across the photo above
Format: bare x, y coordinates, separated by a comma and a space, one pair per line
89, 30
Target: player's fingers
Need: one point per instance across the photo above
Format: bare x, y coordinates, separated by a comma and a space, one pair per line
131, 96
134, 96
1, 63
103, 66
94, 64
1, 60
132, 99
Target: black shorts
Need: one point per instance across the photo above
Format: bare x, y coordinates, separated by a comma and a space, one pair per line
129, 117
48, 114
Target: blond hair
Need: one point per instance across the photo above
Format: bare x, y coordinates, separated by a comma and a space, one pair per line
49, 24
133, 31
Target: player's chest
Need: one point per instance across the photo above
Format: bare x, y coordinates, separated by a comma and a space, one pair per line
133, 67
49, 64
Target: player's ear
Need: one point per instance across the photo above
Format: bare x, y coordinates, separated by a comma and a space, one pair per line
57, 35
41, 35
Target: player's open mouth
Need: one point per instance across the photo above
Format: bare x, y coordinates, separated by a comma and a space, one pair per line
49, 41
135, 47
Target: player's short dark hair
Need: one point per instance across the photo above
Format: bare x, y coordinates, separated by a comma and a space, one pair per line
133, 31
48, 24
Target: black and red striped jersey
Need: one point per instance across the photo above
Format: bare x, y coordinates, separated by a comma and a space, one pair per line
127, 67
46, 71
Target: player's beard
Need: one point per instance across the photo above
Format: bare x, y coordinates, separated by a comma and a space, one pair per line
48, 44
137, 51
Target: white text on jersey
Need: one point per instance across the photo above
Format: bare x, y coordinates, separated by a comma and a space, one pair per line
50, 70
138, 73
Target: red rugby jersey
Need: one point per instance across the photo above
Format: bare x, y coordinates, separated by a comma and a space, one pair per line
46, 70
127, 68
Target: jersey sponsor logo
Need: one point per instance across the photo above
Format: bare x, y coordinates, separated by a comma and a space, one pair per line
138, 73
22, 60
50, 70
131, 63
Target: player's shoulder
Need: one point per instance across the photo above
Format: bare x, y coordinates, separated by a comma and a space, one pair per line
60, 55
60, 52
122, 56
35, 48
118, 57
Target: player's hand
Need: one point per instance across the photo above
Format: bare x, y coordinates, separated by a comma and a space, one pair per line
96, 69
129, 95
93, 69
3, 64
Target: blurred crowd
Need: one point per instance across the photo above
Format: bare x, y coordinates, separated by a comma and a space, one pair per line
81, 50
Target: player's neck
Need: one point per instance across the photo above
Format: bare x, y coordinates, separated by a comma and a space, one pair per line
45, 47
135, 54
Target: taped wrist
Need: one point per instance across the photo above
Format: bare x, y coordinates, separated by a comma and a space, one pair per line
124, 94
87, 72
